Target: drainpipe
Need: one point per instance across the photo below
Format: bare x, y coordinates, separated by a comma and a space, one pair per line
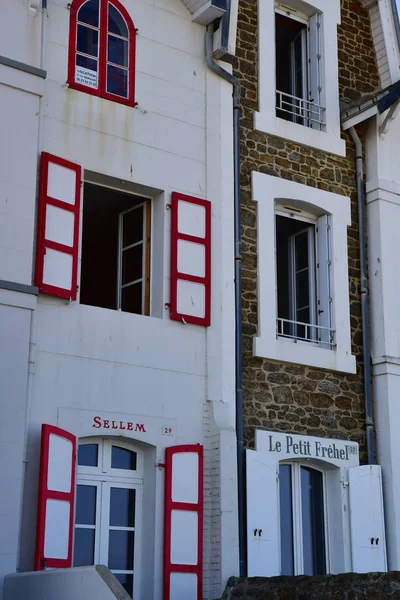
214, 66
369, 421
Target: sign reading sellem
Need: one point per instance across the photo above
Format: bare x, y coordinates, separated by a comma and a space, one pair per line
296, 446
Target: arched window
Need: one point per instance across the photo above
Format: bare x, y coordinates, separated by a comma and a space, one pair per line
102, 50
108, 508
302, 520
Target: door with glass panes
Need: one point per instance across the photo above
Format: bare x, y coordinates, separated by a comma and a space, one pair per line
108, 507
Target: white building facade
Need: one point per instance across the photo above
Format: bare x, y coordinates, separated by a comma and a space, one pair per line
117, 296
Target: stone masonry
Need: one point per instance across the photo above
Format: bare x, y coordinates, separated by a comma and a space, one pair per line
288, 397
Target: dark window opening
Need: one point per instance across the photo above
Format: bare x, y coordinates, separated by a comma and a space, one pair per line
296, 279
313, 526
291, 69
115, 250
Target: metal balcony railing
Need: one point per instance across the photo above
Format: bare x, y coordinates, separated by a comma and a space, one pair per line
306, 332
302, 111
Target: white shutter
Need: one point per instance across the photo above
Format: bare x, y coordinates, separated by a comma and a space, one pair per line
367, 528
190, 259
262, 516
324, 298
183, 523
58, 227
55, 516
314, 65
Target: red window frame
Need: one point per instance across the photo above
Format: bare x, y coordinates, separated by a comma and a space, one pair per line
42, 243
169, 506
101, 90
175, 274
42, 562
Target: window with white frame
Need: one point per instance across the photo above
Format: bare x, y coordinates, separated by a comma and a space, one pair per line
303, 271
299, 98
298, 70
302, 251
108, 505
115, 267
302, 520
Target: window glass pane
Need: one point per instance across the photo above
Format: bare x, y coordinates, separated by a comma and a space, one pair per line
89, 13
85, 505
301, 242
312, 514
120, 550
132, 226
116, 22
122, 507
132, 264
302, 289
286, 519
117, 51
83, 547
117, 81
88, 455
132, 299
126, 581
121, 458
86, 71
87, 40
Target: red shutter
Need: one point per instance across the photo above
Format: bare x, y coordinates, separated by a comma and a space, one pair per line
58, 227
183, 523
55, 516
190, 259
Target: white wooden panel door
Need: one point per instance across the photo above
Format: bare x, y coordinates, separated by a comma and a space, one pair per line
183, 523
262, 516
55, 515
367, 526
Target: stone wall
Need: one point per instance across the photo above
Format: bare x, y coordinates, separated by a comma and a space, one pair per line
348, 586
289, 397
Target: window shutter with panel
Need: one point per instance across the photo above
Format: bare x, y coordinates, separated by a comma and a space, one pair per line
262, 517
190, 260
183, 523
58, 227
367, 527
324, 293
314, 70
55, 515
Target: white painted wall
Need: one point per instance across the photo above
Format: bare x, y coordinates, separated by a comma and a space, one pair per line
383, 206
91, 361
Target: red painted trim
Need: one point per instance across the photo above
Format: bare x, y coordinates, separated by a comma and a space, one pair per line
101, 90
42, 243
176, 275
42, 561
169, 507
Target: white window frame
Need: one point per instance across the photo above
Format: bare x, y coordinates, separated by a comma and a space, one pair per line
298, 559
267, 191
265, 119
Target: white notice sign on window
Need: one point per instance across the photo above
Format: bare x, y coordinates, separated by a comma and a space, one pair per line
86, 77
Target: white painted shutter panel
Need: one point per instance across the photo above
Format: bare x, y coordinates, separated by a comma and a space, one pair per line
324, 298
56, 500
367, 527
190, 300
183, 523
58, 227
314, 67
262, 517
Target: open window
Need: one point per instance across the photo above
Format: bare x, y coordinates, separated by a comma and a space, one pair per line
102, 50
115, 266
298, 78
303, 268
